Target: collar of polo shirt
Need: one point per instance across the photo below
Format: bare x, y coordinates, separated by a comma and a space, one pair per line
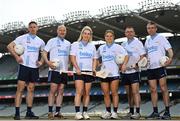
32, 35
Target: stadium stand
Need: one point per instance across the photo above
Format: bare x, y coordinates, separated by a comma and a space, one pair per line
175, 41
9, 68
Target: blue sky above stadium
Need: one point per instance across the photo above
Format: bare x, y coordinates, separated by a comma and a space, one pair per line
26, 10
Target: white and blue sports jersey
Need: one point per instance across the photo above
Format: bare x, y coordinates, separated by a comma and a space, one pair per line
108, 54
33, 45
135, 49
156, 47
59, 49
85, 53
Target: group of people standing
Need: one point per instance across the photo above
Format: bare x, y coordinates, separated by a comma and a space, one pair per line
84, 57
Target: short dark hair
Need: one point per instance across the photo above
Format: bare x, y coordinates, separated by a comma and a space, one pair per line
129, 27
109, 31
32, 22
152, 23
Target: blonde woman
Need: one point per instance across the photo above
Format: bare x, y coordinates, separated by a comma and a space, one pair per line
107, 53
83, 58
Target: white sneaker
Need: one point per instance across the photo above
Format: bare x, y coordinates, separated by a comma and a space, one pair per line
106, 115
136, 116
114, 115
78, 116
85, 116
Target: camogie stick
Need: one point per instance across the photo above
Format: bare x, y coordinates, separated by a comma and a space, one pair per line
101, 74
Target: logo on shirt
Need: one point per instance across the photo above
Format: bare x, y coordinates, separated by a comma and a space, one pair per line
32, 49
62, 52
85, 54
107, 58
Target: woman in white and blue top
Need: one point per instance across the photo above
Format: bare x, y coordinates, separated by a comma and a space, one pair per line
83, 58
107, 53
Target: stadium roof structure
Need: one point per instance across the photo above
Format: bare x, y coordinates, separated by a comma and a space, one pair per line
165, 13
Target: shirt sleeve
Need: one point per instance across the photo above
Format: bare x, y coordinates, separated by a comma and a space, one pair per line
122, 50
18, 40
69, 48
73, 49
42, 45
165, 43
48, 46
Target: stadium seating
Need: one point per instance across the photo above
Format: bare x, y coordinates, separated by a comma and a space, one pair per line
175, 44
9, 68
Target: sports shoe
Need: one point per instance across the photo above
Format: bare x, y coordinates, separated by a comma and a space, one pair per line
58, 115
106, 115
78, 116
166, 116
114, 115
136, 116
153, 115
30, 115
85, 116
50, 116
16, 117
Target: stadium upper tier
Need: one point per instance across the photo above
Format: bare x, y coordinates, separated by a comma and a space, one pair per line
165, 13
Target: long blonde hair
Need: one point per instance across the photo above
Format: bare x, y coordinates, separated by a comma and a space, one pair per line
86, 28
